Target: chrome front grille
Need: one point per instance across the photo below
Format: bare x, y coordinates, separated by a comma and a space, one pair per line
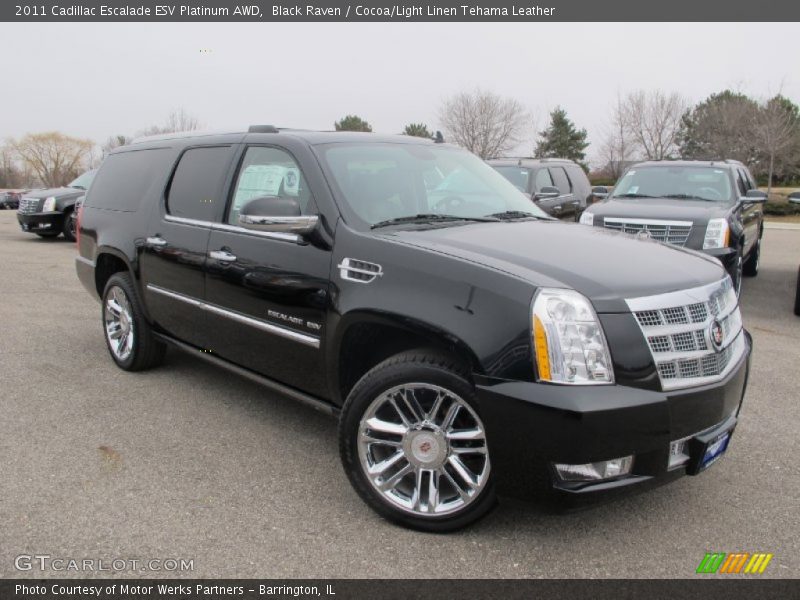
678, 327
28, 205
671, 232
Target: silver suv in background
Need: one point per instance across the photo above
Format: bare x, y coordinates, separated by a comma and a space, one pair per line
558, 186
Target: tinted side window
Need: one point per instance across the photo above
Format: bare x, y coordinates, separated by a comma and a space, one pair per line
272, 173
741, 182
580, 183
543, 179
561, 180
126, 178
196, 186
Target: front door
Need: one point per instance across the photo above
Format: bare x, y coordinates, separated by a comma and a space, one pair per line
267, 293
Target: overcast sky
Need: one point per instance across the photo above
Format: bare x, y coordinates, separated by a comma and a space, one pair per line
95, 80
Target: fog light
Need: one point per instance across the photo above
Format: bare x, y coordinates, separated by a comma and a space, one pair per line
596, 471
678, 453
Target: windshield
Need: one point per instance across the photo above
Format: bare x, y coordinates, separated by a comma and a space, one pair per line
83, 181
516, 175
687, 183
386, 182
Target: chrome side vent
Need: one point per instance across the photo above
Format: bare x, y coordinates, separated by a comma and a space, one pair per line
359, 271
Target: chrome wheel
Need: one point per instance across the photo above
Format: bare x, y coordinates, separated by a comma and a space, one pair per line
423, 449
118, 319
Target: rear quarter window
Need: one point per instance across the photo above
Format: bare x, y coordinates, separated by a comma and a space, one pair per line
126, 178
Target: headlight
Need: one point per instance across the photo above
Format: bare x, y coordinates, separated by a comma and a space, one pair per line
587, 218
568, 339
718, 234
49, 204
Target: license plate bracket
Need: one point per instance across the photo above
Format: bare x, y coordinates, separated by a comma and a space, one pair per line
707, 448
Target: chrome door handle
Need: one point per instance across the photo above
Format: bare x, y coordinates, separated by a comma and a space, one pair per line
222, 256
156, 241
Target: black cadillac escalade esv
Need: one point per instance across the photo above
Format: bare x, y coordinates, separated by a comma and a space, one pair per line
468, 343
713, 206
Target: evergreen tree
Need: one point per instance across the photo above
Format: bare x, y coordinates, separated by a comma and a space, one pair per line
562, 140
352, 123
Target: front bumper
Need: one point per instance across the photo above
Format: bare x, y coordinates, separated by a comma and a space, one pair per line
41, 222
531, 426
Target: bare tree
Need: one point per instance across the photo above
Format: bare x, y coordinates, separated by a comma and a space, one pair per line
55, 158
483, 122
618, 149
177, 121
653, 122
775, 129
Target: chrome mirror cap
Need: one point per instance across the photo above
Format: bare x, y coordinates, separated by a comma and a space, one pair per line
300, 225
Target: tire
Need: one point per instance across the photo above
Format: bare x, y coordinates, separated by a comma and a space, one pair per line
70, 223
128, 336
797, 296
425, 449
47, 234
750, 268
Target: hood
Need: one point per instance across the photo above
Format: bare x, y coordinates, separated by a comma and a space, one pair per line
697, 211
62, 192
605, 266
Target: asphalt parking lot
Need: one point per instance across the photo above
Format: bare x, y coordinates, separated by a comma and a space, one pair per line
189, 462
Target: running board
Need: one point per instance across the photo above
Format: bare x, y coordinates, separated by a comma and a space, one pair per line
307, 399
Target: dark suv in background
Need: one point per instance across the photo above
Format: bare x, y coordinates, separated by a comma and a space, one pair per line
468, 343
712, 206
558, 186
51, 212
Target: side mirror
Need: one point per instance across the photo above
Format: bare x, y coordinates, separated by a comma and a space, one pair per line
794, 197
276, 214
546, 193
600, 192
754, 196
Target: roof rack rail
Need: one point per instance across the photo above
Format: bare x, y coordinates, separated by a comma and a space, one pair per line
262, 129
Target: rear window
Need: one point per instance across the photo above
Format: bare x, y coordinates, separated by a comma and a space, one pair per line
126, 178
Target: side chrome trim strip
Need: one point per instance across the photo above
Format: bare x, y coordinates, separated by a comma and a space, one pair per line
312, 401
289, 334
273, 235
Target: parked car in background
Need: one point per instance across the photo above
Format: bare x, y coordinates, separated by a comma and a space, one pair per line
794, 197
558, 186
714, 207
51, 212
9, 200
468, 343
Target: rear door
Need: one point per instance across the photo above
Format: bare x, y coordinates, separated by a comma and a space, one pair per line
268, 292
174, 251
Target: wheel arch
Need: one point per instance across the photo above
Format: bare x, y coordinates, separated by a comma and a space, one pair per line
365, 338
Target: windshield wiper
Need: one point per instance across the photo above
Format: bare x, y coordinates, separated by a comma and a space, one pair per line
632, 195
78, 187
686, 197
513, 214
429, 217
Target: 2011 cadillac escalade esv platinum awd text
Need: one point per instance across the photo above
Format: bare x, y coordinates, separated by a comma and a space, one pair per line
469, 344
